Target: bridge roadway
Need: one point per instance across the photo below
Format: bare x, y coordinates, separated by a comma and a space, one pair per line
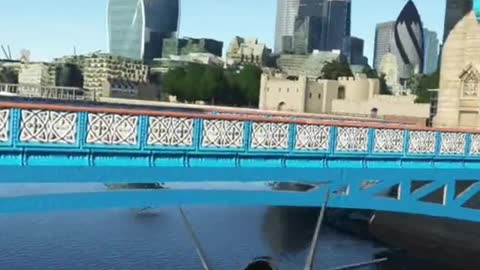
363, 165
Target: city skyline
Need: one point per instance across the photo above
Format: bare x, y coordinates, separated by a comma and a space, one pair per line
52, 39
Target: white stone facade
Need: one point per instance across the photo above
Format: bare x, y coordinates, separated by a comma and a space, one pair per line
458, 97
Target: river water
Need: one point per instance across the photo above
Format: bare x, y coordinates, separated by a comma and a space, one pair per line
158, 240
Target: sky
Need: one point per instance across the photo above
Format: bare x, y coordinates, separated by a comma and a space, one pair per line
51, 28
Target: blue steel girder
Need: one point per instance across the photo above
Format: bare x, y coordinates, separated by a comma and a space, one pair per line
364, 165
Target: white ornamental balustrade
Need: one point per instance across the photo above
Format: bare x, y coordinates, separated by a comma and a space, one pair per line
50, 127
223, 134
170, 131
352, 139
389, 140
112, 129
269, 136
475, 145
4, 125
453, 143
422, 142
312, 138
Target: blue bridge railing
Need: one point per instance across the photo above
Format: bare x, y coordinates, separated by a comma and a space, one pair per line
367, 165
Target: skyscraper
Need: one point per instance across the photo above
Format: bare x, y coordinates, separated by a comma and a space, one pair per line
353, 50
384, 42
305, 39
409, 42
338, 23
455, 11
431, 51
287, 10
136, 28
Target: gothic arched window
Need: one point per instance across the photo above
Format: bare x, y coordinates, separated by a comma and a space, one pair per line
470, 85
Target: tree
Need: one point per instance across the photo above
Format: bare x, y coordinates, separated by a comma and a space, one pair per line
335, 69
425, 83
384, 89
249, 82
8, 75
370, 73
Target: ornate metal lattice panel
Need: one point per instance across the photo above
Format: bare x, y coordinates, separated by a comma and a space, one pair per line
475, 145
222, 133
312, 137
389, 140
422, 142
270, 136
4, 125
112, 129
50, 127
170, 131
352, 139
453, 143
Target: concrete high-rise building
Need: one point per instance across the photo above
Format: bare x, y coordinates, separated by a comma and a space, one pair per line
287, 10
185, 46
384, 42
353, 50
338, 23
455, 11
409, 42
430, 62
328, 23
305, 38
136, 28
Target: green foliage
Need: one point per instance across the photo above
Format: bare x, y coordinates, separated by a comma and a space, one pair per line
383, 86
335, 69
214, 85
423, 84
371, 73
8, 75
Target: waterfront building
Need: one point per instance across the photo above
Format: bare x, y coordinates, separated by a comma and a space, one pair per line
409, 44
287, 10
247, 51
384, 42
136, 28
37, 74
455, 11
430, 62
308, 65
347, 96
185, 46
99, 68
458, 95
163, 65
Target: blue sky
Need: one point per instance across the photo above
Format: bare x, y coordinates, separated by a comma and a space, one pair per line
50, 28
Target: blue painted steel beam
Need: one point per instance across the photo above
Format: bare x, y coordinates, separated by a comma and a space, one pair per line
141, 199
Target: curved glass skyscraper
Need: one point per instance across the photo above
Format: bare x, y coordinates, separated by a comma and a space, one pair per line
408, 34
136, 28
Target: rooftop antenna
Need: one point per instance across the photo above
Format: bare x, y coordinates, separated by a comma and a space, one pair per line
74, 50
9, 52
4, 52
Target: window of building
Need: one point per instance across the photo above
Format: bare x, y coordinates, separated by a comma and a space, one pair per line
319, 96
279, 89
288, 90
341, 92
309, 95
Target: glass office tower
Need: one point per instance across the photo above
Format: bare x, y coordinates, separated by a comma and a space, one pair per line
409, 41
136, 28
